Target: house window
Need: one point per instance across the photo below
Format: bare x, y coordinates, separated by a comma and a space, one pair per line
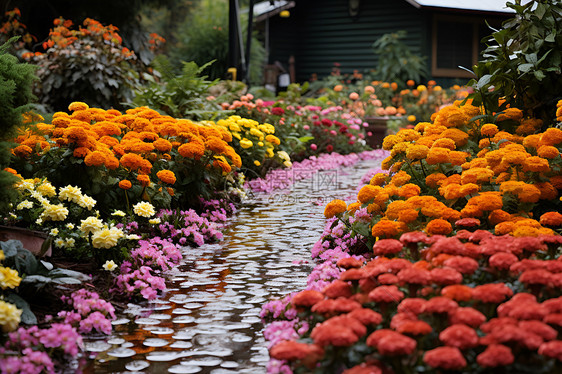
456, 42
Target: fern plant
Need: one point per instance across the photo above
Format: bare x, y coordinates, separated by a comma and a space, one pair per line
182, 95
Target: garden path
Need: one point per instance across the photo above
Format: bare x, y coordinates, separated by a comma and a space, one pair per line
208, 321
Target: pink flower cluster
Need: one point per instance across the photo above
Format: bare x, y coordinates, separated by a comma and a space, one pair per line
279, 179
188, 227
156, 253
89, 312
139, 282
25, 351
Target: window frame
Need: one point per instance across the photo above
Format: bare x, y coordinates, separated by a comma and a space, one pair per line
456, 72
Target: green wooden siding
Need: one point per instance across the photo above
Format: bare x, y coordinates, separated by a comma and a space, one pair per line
320, 33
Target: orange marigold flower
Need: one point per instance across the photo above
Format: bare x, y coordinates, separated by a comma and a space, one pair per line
444, 143
368, 193
77, 105
497, 216
489, 130
504, 228
551, 219
125, 184
385, 229
95, 158
409, 190
510, 114
400, 178
552, 136
432, 180
22, 151
437, 156
216, 145
536, 164
438, 227
111, 162
408, 215
170, 191
417, 152
143, 179
458, 136
548, 192
548, 151
166, 176
81, 152
379, 179
458, 158
335, 207
532, 141
457, 292
192, 150
132, 161
525, 231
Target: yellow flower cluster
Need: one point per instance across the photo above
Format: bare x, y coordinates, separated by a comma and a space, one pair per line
9, 316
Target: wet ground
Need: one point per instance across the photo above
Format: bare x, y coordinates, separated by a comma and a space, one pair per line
208, 320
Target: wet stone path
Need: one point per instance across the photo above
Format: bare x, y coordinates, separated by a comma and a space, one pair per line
208, 320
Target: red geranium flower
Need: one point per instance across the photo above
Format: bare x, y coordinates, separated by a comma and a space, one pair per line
289, 350
386, 294
387, 278
363, 368
414, 275
468, 316
385, 247
467, 222
445, 276
464, 265
393, 345
452, 246
457, 292
495, 355
492, 292
495, 322
460, 336
502, 260
554, 319
349, 262
414, 327
366, 316
307, 298
413, 237
536, 276
353, 274
439, 304
333, 334
336, 289
542, 329
553, 305
479, 235
448, 358
375, 337
552, 349
396, 264
412, 305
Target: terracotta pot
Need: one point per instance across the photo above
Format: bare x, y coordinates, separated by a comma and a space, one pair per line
31, 240
377, 127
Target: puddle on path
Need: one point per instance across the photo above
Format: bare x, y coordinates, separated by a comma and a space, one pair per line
208, 320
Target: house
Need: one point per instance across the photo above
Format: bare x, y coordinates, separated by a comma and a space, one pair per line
320, 33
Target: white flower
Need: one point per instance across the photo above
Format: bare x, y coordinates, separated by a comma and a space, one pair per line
110, 265
69, 243
90, 225
70, 226
154, 221
59, 242
54, 232
39, 221
87, 202
118, 213
54, 212
26, 204
132, 237
26, 184
144, 209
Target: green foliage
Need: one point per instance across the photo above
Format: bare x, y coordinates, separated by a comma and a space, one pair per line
15, 95
181, 96
396, 62
204, 37
522, 61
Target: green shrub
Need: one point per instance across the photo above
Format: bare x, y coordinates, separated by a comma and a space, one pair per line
16, 80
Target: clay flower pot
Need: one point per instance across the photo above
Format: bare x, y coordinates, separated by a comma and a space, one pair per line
32, 240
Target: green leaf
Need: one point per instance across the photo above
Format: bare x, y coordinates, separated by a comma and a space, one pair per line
525, 68
539, 75
482, 82
69, 273
11, 247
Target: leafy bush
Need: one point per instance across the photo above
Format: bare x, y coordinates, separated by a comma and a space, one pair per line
15, 95
396, 62
89, 64
182, 95
522, 61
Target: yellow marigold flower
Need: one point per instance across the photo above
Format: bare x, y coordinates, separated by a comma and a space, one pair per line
144, 209
125, 184
386, 163
390, 141
273, 139
334, 207
525, 231
470, 110
9, 316
77, 105
408, 135
513, 114
381, 198
368, 193
90, 225
536, 164
451, 116
420, 127
528, 126
9, 278
166, 176
437, 156
106, 238
95, 158
46, 189
489, 130
417, 152
399, 148
246, 143
162, 145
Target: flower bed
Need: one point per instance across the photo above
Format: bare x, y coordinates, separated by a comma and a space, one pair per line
447, 262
